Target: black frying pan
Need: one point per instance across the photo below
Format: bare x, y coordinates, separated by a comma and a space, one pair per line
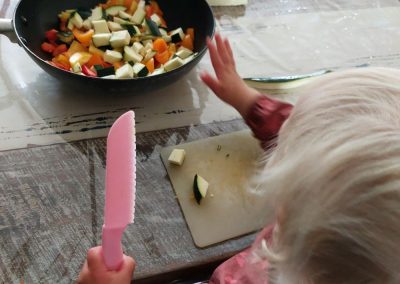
32, 18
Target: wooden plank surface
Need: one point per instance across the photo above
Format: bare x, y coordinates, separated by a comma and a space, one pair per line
51, 211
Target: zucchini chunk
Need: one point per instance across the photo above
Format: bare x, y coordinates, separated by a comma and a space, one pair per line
76, 20
112, 56
131, 55
177, 156
114, 10
100, 27
138, 16
97, 13
124, 72
113, 26
183, 52
140, 70
200, 188
173, 64
66, 37
104, 71
120, 38
177, 35
124, 15
101, 39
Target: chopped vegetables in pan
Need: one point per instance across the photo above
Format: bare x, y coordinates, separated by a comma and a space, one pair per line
120, 39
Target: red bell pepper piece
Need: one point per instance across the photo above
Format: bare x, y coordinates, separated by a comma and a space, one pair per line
88, 72
51, 35
149, 11
60, 49
48, 47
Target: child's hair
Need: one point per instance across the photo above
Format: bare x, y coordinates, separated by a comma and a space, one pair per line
334, 179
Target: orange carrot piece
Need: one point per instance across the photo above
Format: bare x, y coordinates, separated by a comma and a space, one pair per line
83, 37
150, 65
96, 59
187, 42
160, 45
172, 49
128, 3
118, 64
190, 31
162, 57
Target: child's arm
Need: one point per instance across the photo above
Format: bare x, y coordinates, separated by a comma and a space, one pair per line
95, 271
263, 114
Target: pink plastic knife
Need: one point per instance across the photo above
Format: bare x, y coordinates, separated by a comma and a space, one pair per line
120, 186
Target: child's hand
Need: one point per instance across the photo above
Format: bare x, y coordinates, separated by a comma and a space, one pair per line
95, 271
228, 85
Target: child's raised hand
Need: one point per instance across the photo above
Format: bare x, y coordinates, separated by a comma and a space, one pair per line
227, 84
95, 271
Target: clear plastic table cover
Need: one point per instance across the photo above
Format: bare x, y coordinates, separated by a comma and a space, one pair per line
269, 38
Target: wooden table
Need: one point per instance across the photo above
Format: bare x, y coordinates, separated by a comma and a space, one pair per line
52, 196
52, 211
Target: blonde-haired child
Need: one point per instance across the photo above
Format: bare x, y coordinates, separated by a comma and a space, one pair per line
333, 179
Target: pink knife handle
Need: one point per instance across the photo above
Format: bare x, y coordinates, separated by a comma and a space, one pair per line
112, 248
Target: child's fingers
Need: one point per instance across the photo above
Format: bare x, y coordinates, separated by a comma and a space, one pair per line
95, 259
210, 81
84, 274
214, 56
223, 53
125, 273
229, 52
129, 264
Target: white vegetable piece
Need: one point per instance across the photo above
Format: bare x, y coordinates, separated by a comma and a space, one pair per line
177, 156
100, 27
124, 72
101, 39
183, 52
131, 55
109, 77
120, 38
148, 46
173, 64
119, 20
76, 68
167, 38
140, 70
190, 58
97, 14
149, 55
138, 47
112, 56
87, 24
158, 71
114, 10
124, 15
177, 35
155, 18
77, 20
138, 16
113, 26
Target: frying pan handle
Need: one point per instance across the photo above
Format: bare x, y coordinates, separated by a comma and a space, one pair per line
6, 25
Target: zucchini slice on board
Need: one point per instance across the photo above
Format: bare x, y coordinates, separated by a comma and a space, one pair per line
200, 187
